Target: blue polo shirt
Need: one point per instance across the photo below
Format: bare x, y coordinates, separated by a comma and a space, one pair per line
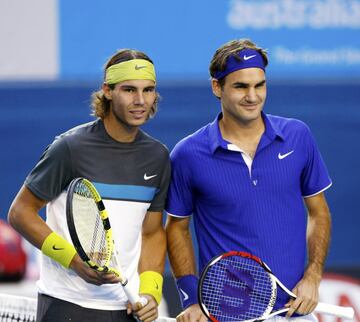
257, 208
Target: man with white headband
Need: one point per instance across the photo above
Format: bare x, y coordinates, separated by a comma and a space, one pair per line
245, 179
131, 170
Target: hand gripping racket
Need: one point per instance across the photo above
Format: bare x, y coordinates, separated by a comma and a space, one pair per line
91, 232
237, 286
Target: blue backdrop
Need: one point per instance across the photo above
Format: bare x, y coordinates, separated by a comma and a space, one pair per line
304, 38
33, 115
314, 75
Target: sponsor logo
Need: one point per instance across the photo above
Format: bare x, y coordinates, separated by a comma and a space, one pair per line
283, 156
294, 14
146, 177
186, 296
139, 67
248, 57
57, 248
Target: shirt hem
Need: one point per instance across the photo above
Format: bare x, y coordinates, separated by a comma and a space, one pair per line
88, 305
177, 216
316, 193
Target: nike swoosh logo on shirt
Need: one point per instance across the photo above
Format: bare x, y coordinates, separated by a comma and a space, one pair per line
146, 177
283, 156
186, 296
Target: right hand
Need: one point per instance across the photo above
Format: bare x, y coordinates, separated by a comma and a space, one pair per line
90, 275
192, 313
145, 313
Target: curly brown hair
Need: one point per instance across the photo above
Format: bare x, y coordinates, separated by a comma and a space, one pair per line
99, 103
232, 48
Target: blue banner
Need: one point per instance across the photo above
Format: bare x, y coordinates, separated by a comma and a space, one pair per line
305, 38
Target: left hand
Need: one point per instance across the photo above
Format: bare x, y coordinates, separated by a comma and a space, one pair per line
307, 292
146, 313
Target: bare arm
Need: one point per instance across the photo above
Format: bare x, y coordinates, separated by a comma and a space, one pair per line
153, 247
24, 217
318, 236
152, 258
180, 246
182, 260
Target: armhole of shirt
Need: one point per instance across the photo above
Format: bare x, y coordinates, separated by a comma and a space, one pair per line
316, 193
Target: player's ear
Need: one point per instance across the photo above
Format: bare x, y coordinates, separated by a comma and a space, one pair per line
107, 91
216, 87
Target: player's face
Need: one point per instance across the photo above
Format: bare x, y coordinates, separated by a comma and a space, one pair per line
132, 101
243, 95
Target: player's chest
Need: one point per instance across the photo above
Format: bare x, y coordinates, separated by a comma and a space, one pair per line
229, 175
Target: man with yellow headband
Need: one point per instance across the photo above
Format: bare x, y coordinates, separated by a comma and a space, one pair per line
131, 170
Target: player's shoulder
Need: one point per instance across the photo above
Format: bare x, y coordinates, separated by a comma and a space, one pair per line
70, 139
81, 130
192, 142
156, 146
288, 125
75, 137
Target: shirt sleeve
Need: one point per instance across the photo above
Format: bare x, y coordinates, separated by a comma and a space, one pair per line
180, 195
52, 173
315, 176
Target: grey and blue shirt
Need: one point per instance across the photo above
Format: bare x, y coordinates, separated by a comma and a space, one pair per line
132, 178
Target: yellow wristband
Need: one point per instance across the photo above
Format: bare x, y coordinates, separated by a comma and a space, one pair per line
58, 249
151, 283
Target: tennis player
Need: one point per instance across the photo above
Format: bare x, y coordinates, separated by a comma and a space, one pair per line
131, 171
245, 178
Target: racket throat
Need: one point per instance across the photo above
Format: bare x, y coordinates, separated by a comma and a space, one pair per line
272, 314
124, 282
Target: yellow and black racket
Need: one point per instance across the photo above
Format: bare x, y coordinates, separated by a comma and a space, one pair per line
91, 232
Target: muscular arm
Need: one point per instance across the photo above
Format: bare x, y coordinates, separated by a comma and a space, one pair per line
180, 246
152, 258
318, 236
153, 247
182, 260
24, 217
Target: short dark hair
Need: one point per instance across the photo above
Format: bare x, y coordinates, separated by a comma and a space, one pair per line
232, 48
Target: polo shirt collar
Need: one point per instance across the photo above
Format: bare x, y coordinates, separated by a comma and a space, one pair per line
272, 130
216, 140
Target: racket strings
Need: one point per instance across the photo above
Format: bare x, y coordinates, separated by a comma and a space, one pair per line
89, 226
236, 288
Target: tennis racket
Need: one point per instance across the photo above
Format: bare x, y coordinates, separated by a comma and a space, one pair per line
237, 286
91, 232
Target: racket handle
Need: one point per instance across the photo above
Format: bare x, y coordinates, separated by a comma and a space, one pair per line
339, 311
134, 297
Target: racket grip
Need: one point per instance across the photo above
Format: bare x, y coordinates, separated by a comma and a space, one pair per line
134, 297
339, 311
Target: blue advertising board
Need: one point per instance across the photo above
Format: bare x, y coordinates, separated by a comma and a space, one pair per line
305, 38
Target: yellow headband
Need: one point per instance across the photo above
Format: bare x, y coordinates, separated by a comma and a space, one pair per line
130, 69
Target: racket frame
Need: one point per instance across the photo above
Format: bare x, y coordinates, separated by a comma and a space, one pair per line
110, 243
339, 311
216, 259
104, 218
